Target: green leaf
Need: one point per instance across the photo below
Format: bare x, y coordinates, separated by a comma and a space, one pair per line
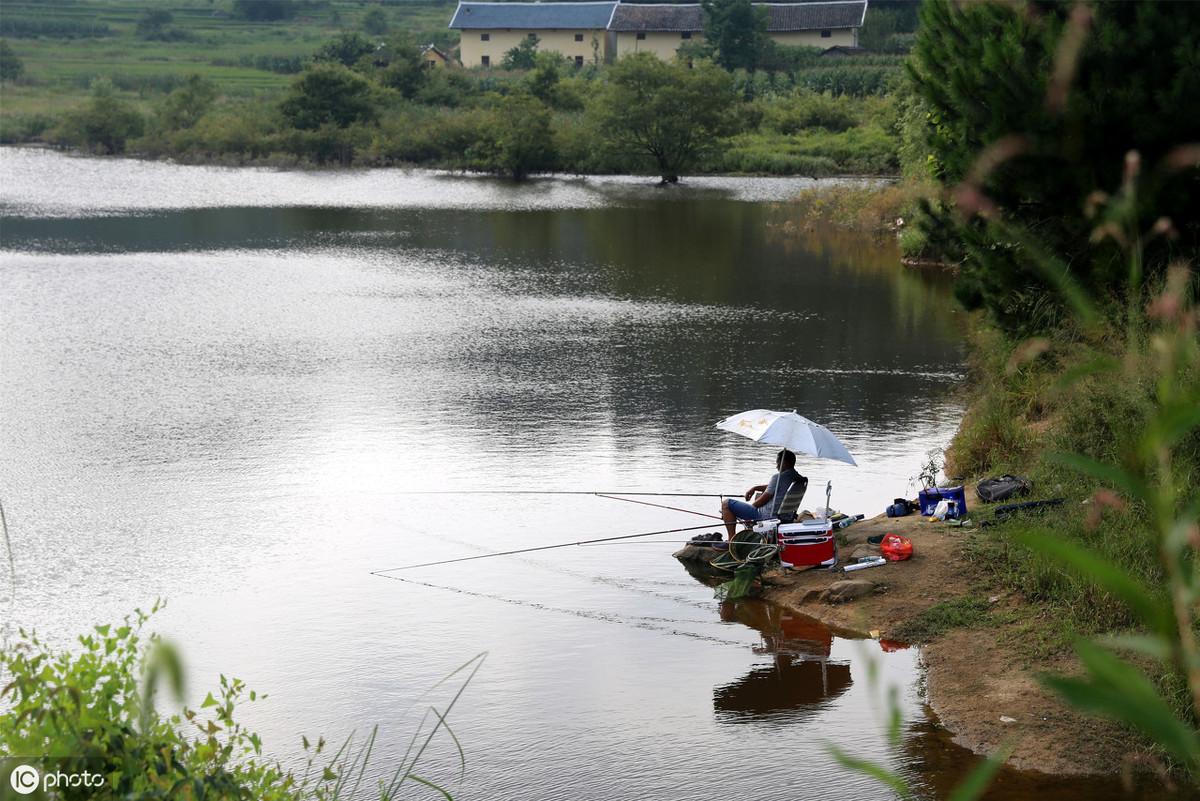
208, 701
431, 785
1150, 645
1100, 364
1173, 425
1120, 691
868, 768
1104, 472
1090, 565
980, 777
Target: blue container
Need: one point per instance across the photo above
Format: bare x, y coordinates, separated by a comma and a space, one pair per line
928, 498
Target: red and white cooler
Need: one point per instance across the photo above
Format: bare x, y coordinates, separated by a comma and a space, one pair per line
809, 543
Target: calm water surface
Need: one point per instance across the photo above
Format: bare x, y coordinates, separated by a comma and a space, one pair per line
223, 387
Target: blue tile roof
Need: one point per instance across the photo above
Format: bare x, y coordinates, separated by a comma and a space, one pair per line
532, 16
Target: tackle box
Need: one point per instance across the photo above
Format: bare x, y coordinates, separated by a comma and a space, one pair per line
809, 543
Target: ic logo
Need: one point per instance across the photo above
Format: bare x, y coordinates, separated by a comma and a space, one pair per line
24, 779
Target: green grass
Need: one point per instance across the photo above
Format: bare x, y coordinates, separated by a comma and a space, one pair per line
955, 613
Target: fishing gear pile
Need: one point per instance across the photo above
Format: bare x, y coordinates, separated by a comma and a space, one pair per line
747, 556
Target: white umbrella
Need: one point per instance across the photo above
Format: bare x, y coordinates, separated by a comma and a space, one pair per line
788, 430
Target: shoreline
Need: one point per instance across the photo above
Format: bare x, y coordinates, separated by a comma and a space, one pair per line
979, 684
305, 165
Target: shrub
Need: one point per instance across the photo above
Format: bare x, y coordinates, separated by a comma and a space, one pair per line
11, 65
88, 710
104, 124
521, 57
519, 141
16, 128
805, 109
375, 22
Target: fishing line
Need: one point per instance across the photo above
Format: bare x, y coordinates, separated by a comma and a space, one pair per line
645, 623
539, 548
609, 581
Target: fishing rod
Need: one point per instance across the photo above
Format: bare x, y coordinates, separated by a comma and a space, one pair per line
658, 505
537, 548
568, 492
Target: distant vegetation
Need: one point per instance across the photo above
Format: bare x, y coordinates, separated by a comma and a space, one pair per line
309, 82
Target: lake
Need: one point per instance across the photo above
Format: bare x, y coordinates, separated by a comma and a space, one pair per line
240, 390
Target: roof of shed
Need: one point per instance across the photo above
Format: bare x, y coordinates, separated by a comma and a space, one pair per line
532, 16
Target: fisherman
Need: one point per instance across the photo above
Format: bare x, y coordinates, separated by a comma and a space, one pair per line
770, 497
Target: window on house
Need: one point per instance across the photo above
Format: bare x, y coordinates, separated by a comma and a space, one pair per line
579, 37
485, 37
685, 35
578, 61
826, 34
641, 36
486, 61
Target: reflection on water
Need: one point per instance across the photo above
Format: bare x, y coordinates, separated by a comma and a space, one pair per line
800, 677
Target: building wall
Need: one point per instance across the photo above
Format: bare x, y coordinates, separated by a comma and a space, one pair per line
472, 49
845, 37
434, 61
661, 43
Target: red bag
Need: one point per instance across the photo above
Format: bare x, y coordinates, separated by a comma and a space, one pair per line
896, 548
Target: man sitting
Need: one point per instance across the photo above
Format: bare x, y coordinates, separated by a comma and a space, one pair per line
770, 495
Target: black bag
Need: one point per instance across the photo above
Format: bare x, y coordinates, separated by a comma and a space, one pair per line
1003, 488
901, 507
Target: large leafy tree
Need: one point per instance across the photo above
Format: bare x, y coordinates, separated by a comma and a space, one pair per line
669, 114
328, 94
1054, 129
736, 30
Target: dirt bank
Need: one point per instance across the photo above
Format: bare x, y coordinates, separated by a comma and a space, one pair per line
980, 681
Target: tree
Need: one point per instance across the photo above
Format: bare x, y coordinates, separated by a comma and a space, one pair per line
522, 140
987, 73
347, 49
106, 123
153, 23
11, 65
328, 94
265, 10
523, 56
736, 30
184, 107
375, 22
670, 114
400, 66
